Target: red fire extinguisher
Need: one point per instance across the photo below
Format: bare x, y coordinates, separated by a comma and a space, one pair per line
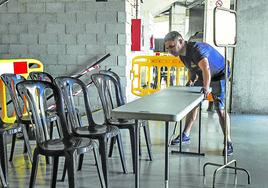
152, 42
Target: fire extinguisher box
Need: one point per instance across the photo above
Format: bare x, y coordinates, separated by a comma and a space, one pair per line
136, 34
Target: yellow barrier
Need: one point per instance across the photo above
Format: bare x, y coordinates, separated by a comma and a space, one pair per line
152, 73
16, 66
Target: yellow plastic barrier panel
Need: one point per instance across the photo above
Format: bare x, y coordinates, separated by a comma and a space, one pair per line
152, 73
15, 66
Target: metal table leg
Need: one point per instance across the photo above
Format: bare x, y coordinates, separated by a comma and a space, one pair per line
199, 138
167, 155
137, 164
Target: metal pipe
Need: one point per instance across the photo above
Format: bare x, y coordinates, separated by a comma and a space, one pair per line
2, 2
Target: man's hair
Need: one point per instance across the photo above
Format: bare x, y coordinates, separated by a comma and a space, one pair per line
171, 36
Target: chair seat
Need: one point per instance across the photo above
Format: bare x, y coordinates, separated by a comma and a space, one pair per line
58, 146
121, 122
99, 130
10, 128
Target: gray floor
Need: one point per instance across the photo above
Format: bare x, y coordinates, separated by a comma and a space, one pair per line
249, 133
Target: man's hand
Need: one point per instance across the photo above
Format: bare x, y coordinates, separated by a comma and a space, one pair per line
205, 92
190, 83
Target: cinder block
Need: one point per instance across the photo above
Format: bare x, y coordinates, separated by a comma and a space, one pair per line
116, 5
3, 48
55, 69
116, 28
86, 17
47, 18
17, 28
76, 49
95, 49
66, 18
54, 7
116, 49
75, 28
107, 39
67, 39
28, 38
95, 6
9, 18
122, 39
37, 49
27, 18
18, 48
95, 28
55, 28
4, 29
49, 59
121, 60
87, 39
121, 17
36, 28
16, 7
106, 17
35, 7
48, 38
56, 49
75, 6
67, 60
9, 39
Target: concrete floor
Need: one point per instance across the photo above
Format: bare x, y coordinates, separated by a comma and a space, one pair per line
249, 134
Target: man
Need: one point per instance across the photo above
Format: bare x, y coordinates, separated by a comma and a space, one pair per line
203, 58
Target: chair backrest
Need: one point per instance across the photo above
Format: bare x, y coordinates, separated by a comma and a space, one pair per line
107, 86
44, 76
35, 93
67, 86
11, 80
117, 78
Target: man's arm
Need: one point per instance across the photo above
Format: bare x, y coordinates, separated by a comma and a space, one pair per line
204, 66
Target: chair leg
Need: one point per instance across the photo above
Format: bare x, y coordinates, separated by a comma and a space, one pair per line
80, 162
34, 168
64, 170
14, 136
132, 142
113, 139
27, 142
55, 171
51, 130
100, 172
148, 140
27, 128
2, 178
3, 156
103, 154
121, 152
70, 158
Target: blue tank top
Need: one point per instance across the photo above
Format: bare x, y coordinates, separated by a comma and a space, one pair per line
196, 51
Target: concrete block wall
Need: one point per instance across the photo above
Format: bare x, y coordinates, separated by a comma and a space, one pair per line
64, 35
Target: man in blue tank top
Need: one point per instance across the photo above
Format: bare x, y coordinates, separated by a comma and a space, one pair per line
201, 58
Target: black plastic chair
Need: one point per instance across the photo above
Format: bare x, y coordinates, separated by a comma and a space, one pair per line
10, 81
68, 146
44, 76
5, 130
110, 92
92, 130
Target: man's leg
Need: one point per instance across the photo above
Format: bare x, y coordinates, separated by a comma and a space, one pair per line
189, 121
221, 115
190, 118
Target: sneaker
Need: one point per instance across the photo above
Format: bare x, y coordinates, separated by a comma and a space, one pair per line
230, 149
177, 139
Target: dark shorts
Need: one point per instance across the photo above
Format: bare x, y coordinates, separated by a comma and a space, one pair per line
218, 92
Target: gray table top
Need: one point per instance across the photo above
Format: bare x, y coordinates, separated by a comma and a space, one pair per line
170, 104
